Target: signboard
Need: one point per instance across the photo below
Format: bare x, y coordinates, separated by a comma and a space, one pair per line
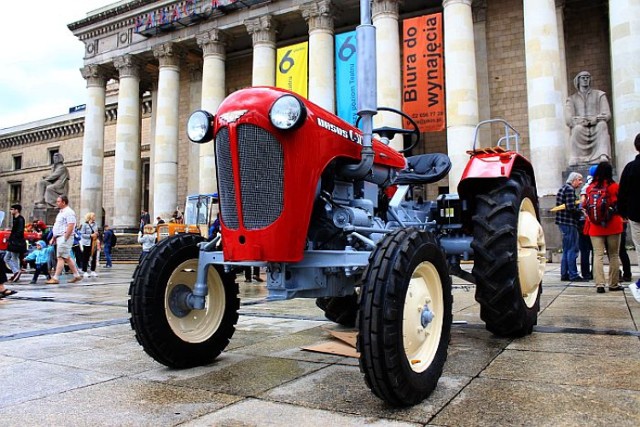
184, 14
346, 77
423, 72
292, 68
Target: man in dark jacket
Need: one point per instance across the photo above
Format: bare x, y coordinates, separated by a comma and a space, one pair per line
17, 245
629, 205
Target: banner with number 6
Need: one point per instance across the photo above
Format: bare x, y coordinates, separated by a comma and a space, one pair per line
292, 68
346, 77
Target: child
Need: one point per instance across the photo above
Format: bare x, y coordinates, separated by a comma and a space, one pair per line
147, 240
41, 257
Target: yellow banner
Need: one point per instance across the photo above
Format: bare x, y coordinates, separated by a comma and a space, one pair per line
292, 68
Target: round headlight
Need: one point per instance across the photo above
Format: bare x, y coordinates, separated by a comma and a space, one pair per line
287, 112
200, 127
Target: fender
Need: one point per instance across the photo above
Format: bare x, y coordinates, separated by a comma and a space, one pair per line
491, 166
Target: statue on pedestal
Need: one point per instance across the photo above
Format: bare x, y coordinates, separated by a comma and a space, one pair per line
587, 113
53, 185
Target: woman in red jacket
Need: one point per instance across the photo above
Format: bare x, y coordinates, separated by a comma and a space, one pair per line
605, 234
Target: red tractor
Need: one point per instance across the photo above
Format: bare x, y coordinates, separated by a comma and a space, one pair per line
322, 205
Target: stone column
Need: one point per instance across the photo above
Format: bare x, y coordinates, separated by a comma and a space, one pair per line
460, 84
127, 173
91, 182
263, 34
624, 27
213, 92
165, 182
195, 103
544, 94
384, 16
319, 17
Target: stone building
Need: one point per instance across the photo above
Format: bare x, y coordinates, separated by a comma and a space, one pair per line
149, 64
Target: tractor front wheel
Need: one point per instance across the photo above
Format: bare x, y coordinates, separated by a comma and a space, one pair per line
509, 256
405, 317
167, 330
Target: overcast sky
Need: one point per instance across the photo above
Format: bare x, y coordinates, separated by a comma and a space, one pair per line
40, 60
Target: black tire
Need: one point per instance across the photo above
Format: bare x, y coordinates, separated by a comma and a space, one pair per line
509, 256
342, 310
402, 353
174, 337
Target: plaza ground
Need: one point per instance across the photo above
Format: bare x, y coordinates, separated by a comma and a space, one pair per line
68, 357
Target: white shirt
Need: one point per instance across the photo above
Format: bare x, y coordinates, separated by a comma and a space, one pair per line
65, 217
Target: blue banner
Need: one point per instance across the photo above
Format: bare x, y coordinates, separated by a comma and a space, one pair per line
346, 77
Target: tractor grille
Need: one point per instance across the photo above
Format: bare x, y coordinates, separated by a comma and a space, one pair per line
261, 177
225, 180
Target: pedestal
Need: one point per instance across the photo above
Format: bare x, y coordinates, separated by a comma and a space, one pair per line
48, 215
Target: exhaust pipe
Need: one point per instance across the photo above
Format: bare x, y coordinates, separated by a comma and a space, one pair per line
367, 91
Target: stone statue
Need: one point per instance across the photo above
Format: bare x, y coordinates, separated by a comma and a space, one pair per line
587, 113
53, 185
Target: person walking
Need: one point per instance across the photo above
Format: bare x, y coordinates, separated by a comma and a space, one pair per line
89, 242
584, 241
63, 238
567, 221
629, 205
4, 291
17, 245
107, 243
605, 233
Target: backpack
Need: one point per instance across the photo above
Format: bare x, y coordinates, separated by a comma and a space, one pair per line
114, 240
598, 206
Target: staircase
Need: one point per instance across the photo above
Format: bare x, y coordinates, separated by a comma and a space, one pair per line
127, 250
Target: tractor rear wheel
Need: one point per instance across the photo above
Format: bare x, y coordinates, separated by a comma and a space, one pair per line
342, 310
509, 256
168, 331
405, 317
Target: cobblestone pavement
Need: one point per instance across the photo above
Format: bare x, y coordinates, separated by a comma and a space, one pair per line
68, 357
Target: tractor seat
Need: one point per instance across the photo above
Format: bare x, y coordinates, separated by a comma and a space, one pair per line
424, 169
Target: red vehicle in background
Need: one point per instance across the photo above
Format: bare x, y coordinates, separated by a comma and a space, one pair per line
30, 235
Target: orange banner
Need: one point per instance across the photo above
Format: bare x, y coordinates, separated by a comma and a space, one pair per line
423, 72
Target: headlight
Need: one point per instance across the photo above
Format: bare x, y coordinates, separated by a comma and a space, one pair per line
287, 112
200, 127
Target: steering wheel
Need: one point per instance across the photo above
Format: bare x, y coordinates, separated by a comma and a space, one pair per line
390, 132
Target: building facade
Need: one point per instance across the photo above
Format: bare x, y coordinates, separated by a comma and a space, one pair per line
149, 64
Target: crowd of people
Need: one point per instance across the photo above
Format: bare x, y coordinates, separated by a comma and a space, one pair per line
594, 223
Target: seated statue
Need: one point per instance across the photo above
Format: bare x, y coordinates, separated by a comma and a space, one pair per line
53, 185
587, 113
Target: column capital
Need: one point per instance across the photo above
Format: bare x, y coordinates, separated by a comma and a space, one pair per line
262, 29
95, 75
213, 42
128, 66
385, 7
446, 3
319, 15
168, 54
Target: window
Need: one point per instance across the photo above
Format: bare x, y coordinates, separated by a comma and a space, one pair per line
17, 162
52, 152
15, 192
